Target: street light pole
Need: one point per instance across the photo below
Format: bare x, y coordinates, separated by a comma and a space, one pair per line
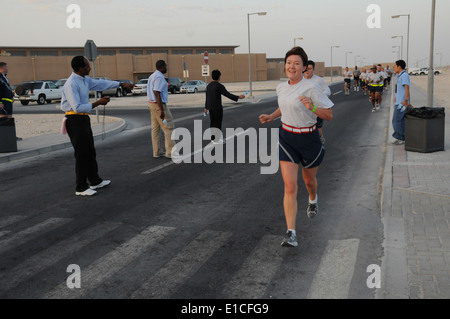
295, 40
399, 36
431, 68
407, 40
336, 46
249, 51
346, 65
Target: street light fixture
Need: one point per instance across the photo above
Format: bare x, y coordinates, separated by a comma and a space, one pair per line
335, 46
356, 56
399, 36
346, 58
295, 40
249, 52
407, 41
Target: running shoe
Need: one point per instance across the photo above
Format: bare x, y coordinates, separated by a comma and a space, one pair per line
373, 110
312, 210
289, 240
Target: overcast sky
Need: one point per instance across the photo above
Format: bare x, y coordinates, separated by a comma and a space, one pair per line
322, 24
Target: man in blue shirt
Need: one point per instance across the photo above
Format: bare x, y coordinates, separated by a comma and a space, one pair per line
401, 102
75, 102
162, 120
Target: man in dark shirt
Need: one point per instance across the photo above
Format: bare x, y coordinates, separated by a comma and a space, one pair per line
213, 103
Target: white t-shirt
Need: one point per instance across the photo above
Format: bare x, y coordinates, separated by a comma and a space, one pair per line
293, 112
321, 83
363, 76
373, 78
348, 74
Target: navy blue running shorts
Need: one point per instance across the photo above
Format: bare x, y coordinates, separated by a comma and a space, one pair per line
305, 149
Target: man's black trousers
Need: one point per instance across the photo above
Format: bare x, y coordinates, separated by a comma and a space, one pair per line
86, 168
216, 117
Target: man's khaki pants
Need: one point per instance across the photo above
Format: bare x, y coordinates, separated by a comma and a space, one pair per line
157, 126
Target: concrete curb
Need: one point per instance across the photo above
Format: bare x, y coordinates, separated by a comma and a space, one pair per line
50, 147
394, 268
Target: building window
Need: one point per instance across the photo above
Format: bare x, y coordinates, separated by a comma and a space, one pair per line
107, 52
73, 52
210, 51
44, 53
18, 53
225, 51
182, 51
133, 52
157, 51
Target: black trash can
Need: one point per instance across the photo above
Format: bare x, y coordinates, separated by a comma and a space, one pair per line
8, 139
425, 129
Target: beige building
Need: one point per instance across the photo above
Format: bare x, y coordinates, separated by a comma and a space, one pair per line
133, 63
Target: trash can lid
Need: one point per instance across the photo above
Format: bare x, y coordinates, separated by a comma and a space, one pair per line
426, 112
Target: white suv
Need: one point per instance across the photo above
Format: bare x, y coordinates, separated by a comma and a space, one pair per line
39, 91
140, 87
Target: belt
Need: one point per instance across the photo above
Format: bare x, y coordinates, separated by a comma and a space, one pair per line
299, 130
8, 100
370, 84
75, 113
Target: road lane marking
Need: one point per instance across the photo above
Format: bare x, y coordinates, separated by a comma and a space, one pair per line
182, 266
27, 234
105, 267
52, 255
333, 278
338, 92
255, 275
183, 157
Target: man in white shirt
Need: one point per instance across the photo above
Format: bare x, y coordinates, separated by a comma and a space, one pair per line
75, 102
375, 82
363, 79
158, 94
348, 80
310, 76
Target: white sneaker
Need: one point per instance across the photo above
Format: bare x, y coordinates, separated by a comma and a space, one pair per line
101, 185
87, 192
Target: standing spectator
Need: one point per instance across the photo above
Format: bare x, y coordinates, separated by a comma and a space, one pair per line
213, 103
300, 103
75, 102
402, 96
6, 94
158, 94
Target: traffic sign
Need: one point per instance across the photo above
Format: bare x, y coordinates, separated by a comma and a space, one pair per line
206, 57
205, 70
90, 50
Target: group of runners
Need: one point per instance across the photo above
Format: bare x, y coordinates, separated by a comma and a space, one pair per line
373, 81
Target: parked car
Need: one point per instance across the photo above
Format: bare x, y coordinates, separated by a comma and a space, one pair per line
60, 83
424, 71
174, 84
193, 87
39, 91
110, 92
140, 87
124, 90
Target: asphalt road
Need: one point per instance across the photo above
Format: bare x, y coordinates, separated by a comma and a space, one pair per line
196, 231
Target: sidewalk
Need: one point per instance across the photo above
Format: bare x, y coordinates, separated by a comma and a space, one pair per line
416, 217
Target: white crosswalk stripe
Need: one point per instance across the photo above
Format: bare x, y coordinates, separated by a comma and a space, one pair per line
184, 265
52, 255
31, 232
108, 265
332, 279
256, 273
